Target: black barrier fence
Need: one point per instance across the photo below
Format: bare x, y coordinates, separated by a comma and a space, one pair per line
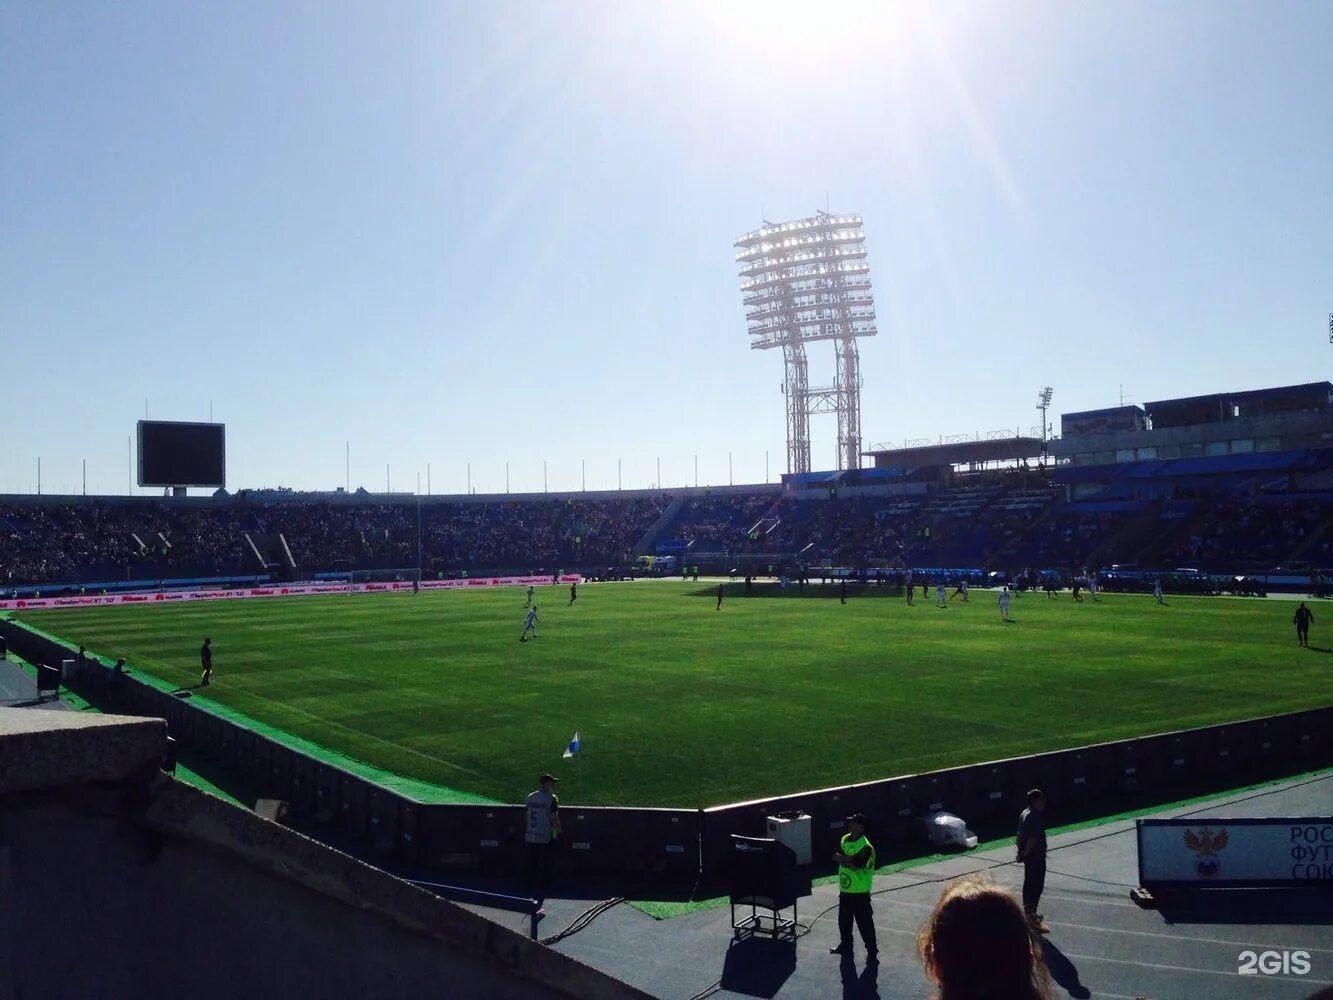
326, 794
647, 844
467, 836
353, 806
409, 831
302, 800
680, 848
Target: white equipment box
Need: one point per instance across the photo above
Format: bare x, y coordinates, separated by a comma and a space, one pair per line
794, 832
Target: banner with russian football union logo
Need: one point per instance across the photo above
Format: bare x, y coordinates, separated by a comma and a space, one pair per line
1230, 853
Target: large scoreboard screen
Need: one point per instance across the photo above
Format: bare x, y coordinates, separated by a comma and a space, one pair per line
181, 454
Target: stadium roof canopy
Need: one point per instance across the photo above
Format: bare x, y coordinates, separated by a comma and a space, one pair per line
959, 453
806, 478
1223, 406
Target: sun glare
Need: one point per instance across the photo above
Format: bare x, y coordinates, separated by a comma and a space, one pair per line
838, 34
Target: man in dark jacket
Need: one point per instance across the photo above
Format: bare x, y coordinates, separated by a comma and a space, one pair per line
1032, 853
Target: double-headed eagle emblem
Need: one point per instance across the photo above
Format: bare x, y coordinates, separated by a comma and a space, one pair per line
1205, 843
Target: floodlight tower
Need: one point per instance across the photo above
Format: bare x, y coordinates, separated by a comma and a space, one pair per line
1043, 404
803, 281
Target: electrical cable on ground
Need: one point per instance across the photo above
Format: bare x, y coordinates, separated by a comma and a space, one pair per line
1087, 878
583, 920
1267, 791
702, 994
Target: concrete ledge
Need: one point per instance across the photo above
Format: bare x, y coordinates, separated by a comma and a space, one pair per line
42, 750
179, 810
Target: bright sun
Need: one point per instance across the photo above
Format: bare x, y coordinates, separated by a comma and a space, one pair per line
766, 31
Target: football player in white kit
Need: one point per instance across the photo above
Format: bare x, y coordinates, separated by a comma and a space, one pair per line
529, 624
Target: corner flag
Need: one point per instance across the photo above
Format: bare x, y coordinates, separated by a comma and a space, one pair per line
573, 747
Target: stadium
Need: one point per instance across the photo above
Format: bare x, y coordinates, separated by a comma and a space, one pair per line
947, 702
719, 655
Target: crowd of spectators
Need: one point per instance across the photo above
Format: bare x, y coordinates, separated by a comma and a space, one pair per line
1232, 534
1029, 527
99, 541
849, 532
1072, 537
40, 543
1008, 527
565, 532
147, 539
733, 523
858, 531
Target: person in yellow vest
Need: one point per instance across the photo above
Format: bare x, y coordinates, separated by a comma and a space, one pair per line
855, 857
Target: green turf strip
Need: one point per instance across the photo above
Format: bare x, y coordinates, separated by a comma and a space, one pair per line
679, 704
199, 781
667, 910
420, 791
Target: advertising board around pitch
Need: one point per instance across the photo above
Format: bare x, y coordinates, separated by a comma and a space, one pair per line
1236, 853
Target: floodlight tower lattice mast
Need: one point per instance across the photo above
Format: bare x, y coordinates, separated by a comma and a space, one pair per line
803, 281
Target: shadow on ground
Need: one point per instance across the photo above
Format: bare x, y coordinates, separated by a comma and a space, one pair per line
1063, 971
220, 777
862, 986
758, 966
1248, 906
736, 590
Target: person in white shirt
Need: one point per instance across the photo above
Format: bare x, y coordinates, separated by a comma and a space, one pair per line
1004, 603
528, 604
941, 601
529, 624
543, 827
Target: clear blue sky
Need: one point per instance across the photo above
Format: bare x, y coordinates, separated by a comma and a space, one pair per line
456, 233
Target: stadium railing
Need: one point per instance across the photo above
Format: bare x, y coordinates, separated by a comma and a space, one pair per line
494, 900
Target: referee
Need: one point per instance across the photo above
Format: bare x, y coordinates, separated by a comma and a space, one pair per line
206, 661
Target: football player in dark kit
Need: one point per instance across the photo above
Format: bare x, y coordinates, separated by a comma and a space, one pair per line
1302, 619
206, 661
573, 592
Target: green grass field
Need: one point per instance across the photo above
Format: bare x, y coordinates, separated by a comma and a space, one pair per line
682, 705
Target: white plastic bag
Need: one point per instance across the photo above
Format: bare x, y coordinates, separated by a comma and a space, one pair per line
946, 830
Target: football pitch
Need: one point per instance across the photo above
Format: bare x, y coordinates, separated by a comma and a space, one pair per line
680, 704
